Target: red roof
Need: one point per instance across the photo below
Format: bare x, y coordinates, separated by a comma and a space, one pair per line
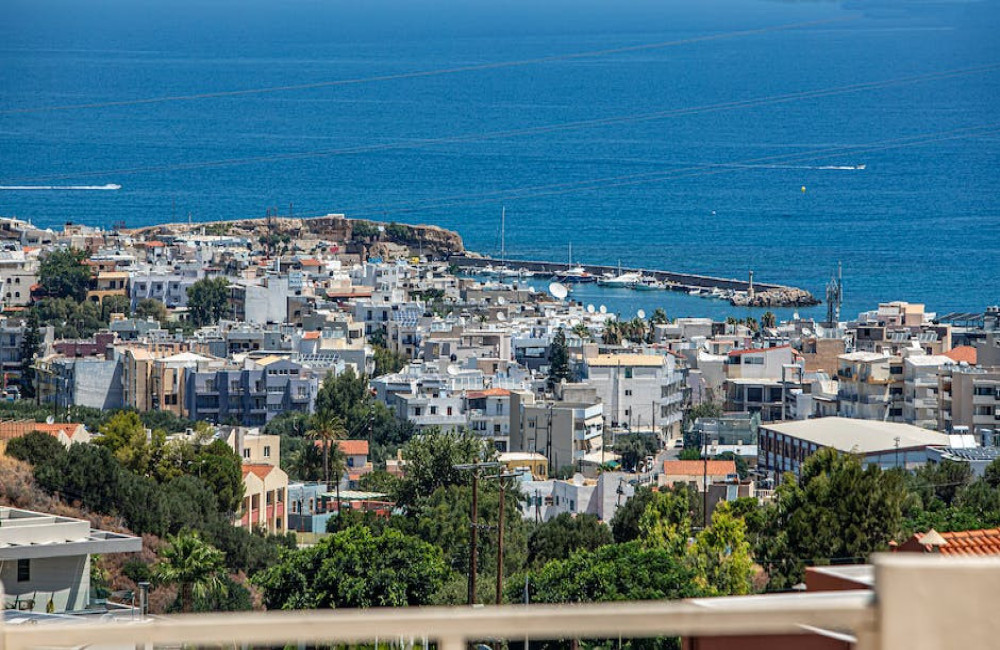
309, 262
489, 392
309, 336
736, 353
697, 467
967, 542
965, 353
257, 469
353, 447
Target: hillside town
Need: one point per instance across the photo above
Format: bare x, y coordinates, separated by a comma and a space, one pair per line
296, 381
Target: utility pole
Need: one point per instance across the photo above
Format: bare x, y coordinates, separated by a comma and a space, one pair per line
500, 517
704, 477
474, 522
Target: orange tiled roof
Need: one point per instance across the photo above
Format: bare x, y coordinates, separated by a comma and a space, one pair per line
972, 542
353, 447
259, 470
309, 336
18, 428
697, 467
489, 392
965, 353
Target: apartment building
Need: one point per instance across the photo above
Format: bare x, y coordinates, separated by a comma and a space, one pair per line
639, 391
488, 415
970, 398
265, 492
757, 380
566, 433
870, 386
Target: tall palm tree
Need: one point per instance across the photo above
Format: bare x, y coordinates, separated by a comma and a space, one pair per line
327, 427
194, 565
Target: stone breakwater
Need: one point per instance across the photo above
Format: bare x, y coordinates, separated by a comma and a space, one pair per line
778, 297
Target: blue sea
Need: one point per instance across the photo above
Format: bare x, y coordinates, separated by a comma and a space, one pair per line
750, 164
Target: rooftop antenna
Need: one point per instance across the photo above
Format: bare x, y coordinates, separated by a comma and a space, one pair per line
558, 290
834, 297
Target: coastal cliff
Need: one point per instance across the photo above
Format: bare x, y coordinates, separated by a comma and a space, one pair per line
373, 236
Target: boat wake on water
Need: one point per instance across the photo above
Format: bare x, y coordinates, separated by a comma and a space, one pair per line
53, 188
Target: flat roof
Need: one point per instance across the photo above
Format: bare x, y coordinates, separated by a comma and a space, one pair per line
858, 436
612, 360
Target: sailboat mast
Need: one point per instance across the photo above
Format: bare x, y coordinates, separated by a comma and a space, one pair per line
503, 243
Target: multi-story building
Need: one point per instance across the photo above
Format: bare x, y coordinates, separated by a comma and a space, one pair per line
970, 398
567, 433
265, 493
488, 415
921, 376
639, 391
168, 285
757, 380
871, 386
250, 396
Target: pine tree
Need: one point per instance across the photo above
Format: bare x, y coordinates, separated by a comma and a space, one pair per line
559, 360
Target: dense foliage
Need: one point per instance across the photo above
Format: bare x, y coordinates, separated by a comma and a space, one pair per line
208, 300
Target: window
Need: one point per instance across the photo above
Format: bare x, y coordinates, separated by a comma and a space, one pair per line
628, 393
267, 451
246, 453
895, 370
753, 361
23, 570
628, 372
982, 391
434, 410
449, 410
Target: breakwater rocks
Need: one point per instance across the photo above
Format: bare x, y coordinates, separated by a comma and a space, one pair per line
778, 297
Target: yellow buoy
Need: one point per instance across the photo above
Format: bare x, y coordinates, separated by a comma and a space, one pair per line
803, 189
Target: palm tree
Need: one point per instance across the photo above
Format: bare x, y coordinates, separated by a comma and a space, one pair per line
194, 565
327, 427
582, 331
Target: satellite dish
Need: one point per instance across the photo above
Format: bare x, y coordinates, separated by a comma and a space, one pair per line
795, 315
558, 290
501, 316
501, 300
641, 313
590, 309
603, 309
573, 322
452, 369
50, 420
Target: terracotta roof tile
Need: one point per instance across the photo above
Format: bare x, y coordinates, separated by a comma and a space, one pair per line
965, 353
259, 470
489, 392
697, 467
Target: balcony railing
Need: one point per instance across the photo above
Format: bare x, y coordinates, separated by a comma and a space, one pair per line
919, 602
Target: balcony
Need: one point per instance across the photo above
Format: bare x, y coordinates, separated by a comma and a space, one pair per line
919, 602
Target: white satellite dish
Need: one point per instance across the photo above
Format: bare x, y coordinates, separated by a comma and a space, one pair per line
602, 309
590, 309
50, 420
795, 315
641, 313
573, 322
452, 369
558, 290
501, 316
501, 300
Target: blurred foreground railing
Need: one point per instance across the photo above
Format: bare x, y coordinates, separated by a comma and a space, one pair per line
919, 602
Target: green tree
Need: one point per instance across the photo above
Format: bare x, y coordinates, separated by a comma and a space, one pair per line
114, 305
659, 317
431, 459
63, 274
629, 571
35, 448
220, 468
634, 448
356, 568
326, 428
559, 370
742, 468
625, 523
768, 320
31, 347
192, 564
721, 555
387, 361
837, 511
559, 537
612, 332
151, 308
208, 300
125, 436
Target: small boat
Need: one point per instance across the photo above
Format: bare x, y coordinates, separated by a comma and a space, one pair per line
574, 274
648, 284
621, 280
695, 292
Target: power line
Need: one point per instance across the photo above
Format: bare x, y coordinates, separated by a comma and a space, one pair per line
429, 73
706, 169
528, 131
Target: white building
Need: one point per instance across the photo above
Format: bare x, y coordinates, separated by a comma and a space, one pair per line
45, 559
639, 391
